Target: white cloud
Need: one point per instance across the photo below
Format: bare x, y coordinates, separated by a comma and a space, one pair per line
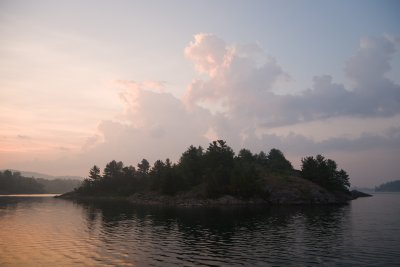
155, 124
209, 53
235, 81
233, 99
245, 89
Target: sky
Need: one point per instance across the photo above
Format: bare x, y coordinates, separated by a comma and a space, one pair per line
86, 82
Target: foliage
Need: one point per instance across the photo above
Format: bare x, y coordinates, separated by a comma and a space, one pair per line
246, 178
113, 169
276, 161
94, 173
14, 183
144, 167
219, 162
324, 173
191, 166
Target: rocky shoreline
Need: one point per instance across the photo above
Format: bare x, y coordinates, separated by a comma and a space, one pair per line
277, 191
282, 198
188, 200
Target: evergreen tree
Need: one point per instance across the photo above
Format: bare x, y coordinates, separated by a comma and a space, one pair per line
144, 167
113, 169
278, 162
219, 160
191, 165
324, 173
94, 173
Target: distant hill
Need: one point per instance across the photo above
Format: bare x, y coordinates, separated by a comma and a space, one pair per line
393, 186
45, 176
15, 183
58, 186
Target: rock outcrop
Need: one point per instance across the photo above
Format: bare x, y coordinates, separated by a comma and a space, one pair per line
277, 190
356, 194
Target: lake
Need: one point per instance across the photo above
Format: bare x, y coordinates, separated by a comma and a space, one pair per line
44, 231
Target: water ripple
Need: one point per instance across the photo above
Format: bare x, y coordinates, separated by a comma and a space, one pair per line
47, 231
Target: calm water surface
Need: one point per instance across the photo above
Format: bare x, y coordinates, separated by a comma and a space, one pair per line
43, 231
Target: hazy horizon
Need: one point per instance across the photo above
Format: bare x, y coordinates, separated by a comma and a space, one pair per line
83, 83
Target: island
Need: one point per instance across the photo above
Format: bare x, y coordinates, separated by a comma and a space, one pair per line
216, 176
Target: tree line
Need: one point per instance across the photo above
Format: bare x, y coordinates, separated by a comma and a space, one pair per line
213, 172
14, 183
392, 186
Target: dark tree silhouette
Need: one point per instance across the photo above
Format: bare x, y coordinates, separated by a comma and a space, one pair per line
14, 183
94, 173
171, 182
324, 172
144, 167
191, 165
157, 173
246, 155
212, 173
393, 186
129, 171
246, 178
219, 165
278, 162
262, 159
113, 169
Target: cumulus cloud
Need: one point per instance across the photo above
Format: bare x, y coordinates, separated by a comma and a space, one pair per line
234, 78
244, 88
209, 53
154, 125
376, 94
234, 99
376, 50
373, 95
298, 144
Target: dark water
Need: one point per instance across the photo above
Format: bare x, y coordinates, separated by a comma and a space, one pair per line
43, 231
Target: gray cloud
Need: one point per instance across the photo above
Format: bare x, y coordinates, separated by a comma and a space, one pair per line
157, 123
299, 144
156, 126
244, 88
374, 95
240, 91
235, 99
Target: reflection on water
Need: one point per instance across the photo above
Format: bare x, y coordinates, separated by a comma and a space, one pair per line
54, 231
224, 236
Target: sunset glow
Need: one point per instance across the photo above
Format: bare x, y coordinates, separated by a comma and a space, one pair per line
88, 82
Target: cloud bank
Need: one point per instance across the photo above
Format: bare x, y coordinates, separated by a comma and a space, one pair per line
244, 88
155, 124
234, 98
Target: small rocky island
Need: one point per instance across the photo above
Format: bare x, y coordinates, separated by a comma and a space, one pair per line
216, 176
